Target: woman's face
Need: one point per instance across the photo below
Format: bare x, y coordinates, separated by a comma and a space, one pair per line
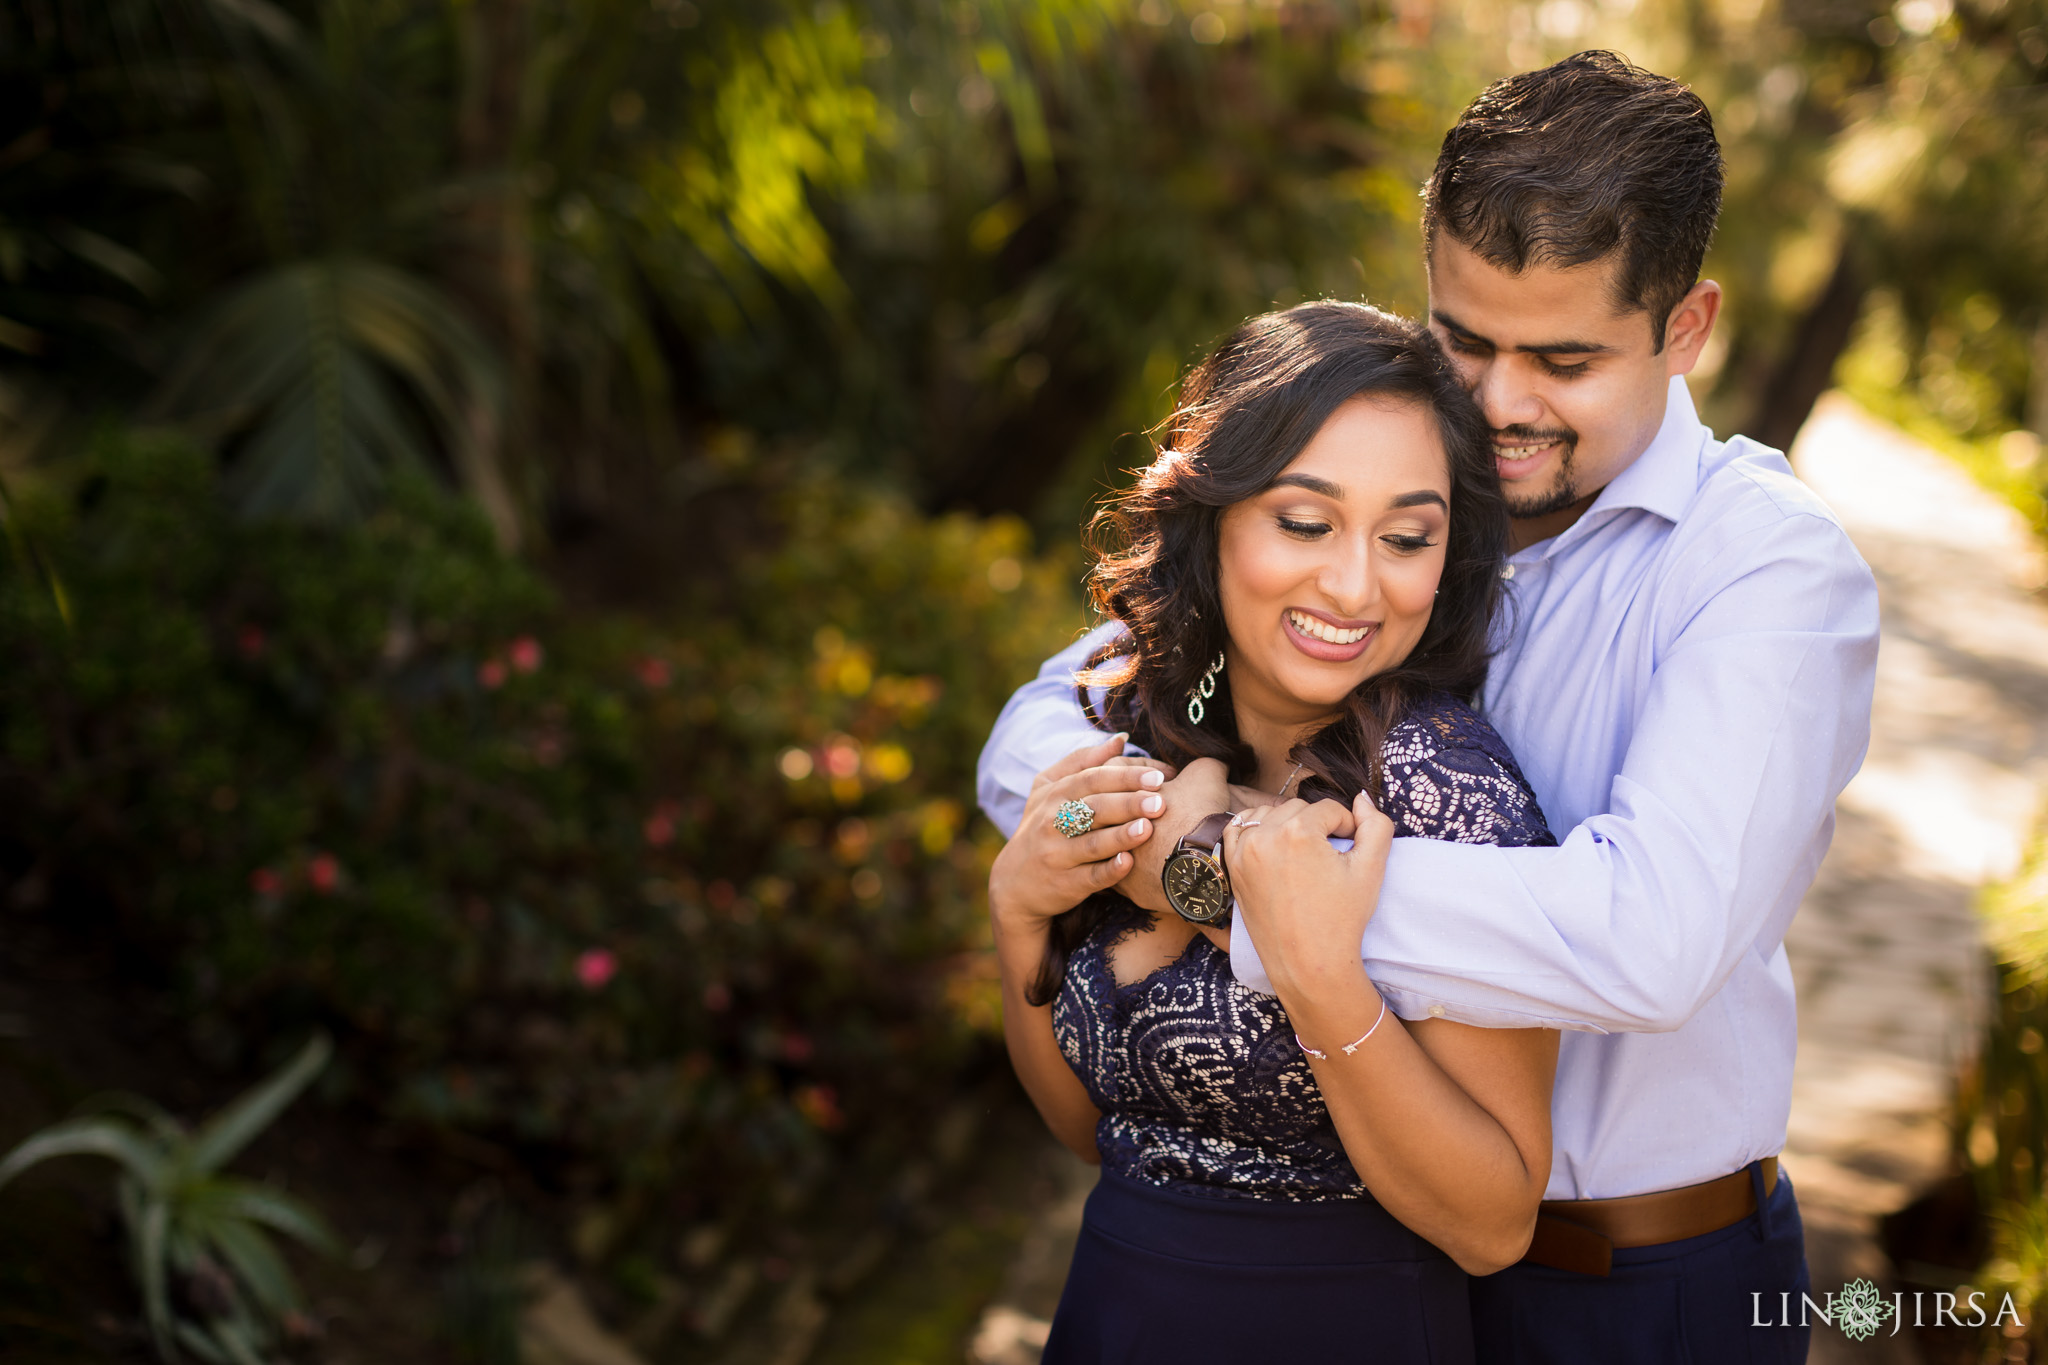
1329, 575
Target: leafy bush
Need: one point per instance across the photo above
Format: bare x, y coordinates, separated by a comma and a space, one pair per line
661, 905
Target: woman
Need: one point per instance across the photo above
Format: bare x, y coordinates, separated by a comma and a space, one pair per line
1307, 577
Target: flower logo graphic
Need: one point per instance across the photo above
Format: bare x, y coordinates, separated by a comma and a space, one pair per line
1860, 1310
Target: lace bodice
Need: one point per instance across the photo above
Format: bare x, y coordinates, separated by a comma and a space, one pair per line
1199, 1081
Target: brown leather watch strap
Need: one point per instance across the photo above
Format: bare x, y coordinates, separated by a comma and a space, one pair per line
1583, 1234
1207, 836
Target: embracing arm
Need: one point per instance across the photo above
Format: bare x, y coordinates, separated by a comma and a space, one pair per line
1757, 716
1041, 723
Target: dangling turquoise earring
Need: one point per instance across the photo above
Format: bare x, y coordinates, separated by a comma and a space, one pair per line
1203, 690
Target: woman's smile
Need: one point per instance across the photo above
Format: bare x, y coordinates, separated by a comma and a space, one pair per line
1315, 634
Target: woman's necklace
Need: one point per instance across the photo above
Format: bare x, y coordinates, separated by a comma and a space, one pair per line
1290, 781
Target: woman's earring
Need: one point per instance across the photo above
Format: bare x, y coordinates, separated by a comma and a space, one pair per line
1203, 690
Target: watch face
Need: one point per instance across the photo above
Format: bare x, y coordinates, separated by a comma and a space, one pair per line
1195, 887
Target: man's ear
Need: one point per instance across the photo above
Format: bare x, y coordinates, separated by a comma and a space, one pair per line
1689, 326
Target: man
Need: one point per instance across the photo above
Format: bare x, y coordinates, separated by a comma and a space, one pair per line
1685, 678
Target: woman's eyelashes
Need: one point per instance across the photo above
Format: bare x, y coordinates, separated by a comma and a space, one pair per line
1304, 530
1412, 542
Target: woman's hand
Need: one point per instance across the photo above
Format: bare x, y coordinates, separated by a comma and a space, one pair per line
1041, 872
1448, 1126
1305, 904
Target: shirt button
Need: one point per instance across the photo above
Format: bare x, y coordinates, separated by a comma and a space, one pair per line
1436, 1011
1507, 571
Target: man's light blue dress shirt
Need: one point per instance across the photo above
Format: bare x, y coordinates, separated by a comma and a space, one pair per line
1685, 677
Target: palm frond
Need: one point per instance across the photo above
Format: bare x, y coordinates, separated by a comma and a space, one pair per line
326, 376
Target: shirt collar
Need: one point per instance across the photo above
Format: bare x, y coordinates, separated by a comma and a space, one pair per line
1661, 480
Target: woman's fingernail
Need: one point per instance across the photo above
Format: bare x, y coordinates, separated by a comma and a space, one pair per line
1121, 736
1153, 778
1152, 805
1138, 829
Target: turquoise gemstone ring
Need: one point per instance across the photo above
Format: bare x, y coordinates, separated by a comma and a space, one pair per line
1073, 818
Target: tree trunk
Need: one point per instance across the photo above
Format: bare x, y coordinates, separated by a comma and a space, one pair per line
491, 264
2037, 386
1807, 368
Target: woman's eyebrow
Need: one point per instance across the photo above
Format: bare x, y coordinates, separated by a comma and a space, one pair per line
1335, 492
1422, 497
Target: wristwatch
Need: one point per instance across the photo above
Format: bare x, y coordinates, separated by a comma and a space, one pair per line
1196, 883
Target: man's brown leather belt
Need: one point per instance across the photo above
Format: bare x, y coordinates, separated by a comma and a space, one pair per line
1582, 1234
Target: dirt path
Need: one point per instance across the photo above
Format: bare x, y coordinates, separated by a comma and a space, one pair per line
1886, 950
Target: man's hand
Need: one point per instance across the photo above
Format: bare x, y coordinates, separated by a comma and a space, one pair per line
1203, 788
1041, 872
1305, 904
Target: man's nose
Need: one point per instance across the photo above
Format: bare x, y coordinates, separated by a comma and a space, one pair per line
1506, 393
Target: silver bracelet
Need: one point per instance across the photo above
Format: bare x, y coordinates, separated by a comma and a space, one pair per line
1348, 1048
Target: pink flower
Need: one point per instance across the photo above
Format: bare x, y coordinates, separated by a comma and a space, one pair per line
659, 827
323, 873
525, 654
250, 641
796, 1049
491, 673
595, 967
265, 882
653, 672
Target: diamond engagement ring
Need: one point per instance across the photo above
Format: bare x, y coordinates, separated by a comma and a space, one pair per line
1073, 818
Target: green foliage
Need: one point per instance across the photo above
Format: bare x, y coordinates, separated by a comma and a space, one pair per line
954, 245
673, 903
2001, 1119
315, 370
199, 1242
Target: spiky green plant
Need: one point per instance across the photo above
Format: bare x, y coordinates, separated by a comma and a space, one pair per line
189, 1225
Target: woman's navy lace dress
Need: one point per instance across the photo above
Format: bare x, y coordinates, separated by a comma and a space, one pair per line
1225, 1188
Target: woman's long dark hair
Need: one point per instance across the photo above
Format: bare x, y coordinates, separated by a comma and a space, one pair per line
1245, 413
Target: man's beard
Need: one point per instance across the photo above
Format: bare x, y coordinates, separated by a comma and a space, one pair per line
1564, 489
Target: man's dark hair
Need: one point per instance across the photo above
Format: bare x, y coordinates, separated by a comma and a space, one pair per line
1565, 165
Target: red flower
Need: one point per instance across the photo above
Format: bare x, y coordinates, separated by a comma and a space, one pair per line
820, 1104
491, 673
525, 654
717, 997
659, 827
265, 882
250, 641
653, 672
595, 967
796, 1049
323, 873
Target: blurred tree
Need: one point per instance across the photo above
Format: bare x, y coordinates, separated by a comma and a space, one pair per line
547, 246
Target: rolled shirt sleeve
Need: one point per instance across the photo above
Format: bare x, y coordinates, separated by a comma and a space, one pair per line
1041, 724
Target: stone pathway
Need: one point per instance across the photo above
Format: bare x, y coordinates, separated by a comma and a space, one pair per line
1886, 950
